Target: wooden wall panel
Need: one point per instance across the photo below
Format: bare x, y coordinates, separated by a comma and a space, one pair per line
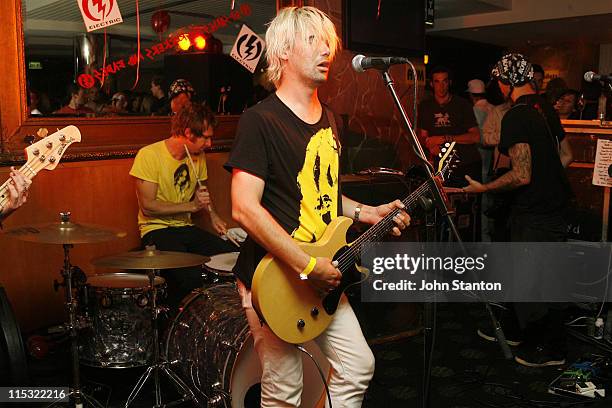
96, 192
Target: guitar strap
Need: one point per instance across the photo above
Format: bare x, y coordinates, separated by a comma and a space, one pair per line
332, 123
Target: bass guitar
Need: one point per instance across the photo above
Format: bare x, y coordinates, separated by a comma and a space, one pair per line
43, 155
293, 309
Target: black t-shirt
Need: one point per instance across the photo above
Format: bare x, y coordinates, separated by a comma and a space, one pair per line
454, 118
532, 120
299, 163
160, 107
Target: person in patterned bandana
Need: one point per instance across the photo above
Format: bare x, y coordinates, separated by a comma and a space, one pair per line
286, 188
168, 193
181, 93
532, 135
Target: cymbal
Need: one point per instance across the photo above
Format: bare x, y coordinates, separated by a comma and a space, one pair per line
151, 259
65, 232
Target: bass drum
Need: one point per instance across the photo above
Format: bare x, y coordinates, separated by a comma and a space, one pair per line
213, 349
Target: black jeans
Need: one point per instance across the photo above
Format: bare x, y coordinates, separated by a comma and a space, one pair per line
185, 239
541, 322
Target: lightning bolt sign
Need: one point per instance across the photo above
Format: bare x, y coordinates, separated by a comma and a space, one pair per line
99, 13
248, 48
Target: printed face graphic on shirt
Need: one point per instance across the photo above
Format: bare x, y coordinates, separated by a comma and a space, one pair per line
441, 120
318, 183
181, 179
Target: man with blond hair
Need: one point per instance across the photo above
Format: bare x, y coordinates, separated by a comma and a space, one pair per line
285, 188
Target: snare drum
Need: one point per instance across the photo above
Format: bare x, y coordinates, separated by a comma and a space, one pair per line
212, 345
219, 268
118, 306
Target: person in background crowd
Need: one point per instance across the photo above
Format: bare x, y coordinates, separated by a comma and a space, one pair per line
181, 94
76, 104
119, 104
95, 99
478, 95
567, 103
447, 118
33, 103
554, 88
531, 135
496, 211
538, 78
160, 105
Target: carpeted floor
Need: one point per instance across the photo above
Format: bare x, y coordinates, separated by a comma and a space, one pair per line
466, 370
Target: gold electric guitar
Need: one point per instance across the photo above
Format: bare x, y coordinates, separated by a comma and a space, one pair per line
293, 309
43, 155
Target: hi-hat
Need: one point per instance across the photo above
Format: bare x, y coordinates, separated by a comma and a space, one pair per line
65, 232
150, 258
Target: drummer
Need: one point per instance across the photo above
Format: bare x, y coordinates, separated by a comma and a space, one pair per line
18, 190
168, 193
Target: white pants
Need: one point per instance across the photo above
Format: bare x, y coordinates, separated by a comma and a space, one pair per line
343, 344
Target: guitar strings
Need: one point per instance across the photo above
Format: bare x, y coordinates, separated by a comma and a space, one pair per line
349, 257
28, 167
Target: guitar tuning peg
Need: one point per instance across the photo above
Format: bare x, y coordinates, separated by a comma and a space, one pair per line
42, 132
29, 139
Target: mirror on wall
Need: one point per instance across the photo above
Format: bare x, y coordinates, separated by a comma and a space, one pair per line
71, 71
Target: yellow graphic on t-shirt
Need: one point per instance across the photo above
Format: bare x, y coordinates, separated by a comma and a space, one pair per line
175, 182
318, 183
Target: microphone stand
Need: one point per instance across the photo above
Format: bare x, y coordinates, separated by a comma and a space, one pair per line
440, 202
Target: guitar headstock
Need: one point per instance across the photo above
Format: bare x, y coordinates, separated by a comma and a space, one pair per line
47, 152
448, 156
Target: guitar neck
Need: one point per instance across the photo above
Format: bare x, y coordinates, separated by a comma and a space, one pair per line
379, 230
27, 171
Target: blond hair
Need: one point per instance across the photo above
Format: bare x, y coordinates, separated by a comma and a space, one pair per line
291, 24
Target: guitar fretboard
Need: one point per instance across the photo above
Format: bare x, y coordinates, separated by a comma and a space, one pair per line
27, 170
379, 230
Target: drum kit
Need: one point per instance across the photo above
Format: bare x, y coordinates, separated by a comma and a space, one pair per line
113, 322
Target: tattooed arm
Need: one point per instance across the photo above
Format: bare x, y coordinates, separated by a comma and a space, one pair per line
519, 175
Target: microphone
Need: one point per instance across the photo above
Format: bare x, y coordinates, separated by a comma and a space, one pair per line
361, 62
591, 76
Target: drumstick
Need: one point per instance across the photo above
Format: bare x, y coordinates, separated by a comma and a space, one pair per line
195, 173
232, 240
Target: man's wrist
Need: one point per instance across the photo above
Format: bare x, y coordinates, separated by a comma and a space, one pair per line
357, 213
309, 268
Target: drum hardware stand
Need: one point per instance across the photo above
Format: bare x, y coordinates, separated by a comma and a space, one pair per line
159, 364
220, 398
71, 305
303, 350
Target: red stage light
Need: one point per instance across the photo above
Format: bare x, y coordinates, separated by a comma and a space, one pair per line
184, 43
200, 42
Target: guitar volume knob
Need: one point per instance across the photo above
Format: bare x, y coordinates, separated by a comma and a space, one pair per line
301, 323
314, 311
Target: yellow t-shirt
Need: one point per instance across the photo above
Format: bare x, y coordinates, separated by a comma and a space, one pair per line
175, 181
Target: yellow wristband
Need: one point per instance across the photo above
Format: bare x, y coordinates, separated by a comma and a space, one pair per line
308, 268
